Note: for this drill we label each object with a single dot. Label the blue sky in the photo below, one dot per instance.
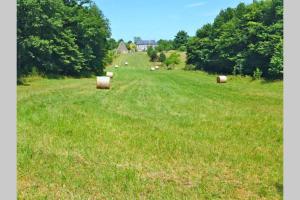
(160, 19)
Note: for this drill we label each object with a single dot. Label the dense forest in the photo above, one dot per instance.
(245, 40)
(61, 37)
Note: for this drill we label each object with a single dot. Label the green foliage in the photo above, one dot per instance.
(132, 47)
(61, 37)
(172, 60)
(128, 44)
(109, 57)
(149, 51)
(182, 48)
(180, 40)
(276, 63)
(240, 39)
(152, 53)
(189, 67)
(257, 74)
(112, 44)
(153, 56)
(162, 57)
(164, 45)
(136, 39)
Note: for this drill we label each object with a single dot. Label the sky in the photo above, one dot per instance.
(160, 19)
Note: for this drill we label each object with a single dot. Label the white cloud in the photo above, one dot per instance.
(193, 5)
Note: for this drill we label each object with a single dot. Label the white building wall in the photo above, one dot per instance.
(144, 47)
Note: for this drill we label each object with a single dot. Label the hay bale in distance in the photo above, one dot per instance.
(103, 82)
(156, 67)
(152, 68)
(110, 74)
(116, 66)
(221, 79)
(126, 63)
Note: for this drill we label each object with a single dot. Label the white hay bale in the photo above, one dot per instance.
(126, 63)
(156, 67)
(116, 66)
(152, 68)
(110, 74)
(103, 82)
(222, 79)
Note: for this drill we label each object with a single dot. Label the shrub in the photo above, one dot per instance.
(172, 60)
(257, 74)
(153, 56)
(110, 56)
(149, 51)
(182, 48)
(164, 45)
(162, 57)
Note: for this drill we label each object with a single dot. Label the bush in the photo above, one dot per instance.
(149, 51)
(182, 48)
(153, 56)
(257, 74)
(172, 60)
(110, 56)
(162, 57)
(164, 45)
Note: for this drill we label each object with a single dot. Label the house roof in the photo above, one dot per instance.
(146, 42)
(122, 47)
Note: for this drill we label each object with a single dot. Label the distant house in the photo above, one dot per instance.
(143, 45)
(122, 48)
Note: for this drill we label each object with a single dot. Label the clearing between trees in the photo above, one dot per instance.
(167, 134)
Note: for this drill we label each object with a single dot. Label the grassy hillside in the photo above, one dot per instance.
(154, 135)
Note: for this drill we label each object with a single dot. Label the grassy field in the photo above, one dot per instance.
(155, 135)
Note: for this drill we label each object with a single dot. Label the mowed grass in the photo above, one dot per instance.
(155, 135)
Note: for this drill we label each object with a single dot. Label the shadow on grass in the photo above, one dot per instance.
(279, 188)
(58, 76)
(22, 84)
(268, 81)
(25, 80)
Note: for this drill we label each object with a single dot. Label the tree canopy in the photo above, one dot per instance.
(61, 37)
(241, 40)
(164, 45)
(181, 40)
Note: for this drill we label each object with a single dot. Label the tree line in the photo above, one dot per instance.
(61, 37)
(246, 40)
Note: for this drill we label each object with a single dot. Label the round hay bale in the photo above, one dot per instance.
(152, 69)
(110, 74)
(116, 66)
(126, 63)
(156, 67)
(103, 82)
(222, 79)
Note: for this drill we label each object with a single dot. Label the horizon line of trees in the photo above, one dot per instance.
(178, 43)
